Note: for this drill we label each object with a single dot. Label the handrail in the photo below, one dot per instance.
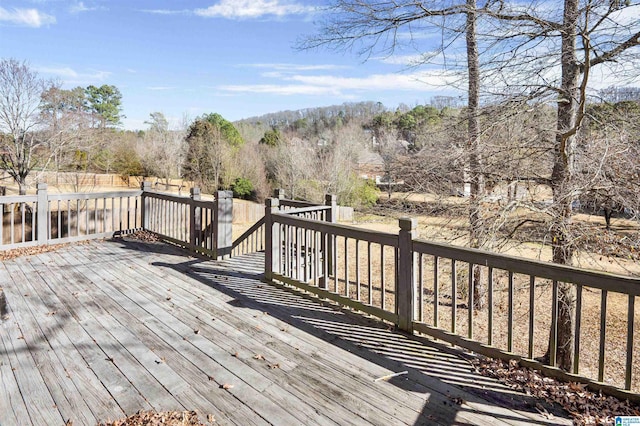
(198, 225)
(302, 210)
(296, 203)
(251, 241)
(520, 265)
(336, 229)
(47, 218)
(92, 195)
(247, 233)
(401, 279)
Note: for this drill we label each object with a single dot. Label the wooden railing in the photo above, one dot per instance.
(66, 217)
(420, 286)
(198, 225)
(428, 288)
(253, 239)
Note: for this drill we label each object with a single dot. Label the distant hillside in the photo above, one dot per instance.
(328, 114)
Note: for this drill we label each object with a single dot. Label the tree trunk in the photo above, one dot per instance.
(561, 182)
(475, 160)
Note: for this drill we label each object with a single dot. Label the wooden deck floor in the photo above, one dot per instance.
(100, 330)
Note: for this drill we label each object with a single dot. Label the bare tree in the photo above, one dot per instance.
(32, 135)
(380, 26)
(164, 148)
(292, 165)
(586, 35)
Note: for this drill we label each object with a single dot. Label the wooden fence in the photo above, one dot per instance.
(428, 288)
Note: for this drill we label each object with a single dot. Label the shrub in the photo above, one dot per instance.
(363, 193)
(243, 188)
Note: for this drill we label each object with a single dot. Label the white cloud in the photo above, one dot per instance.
(72, 77)
(345, 86)
(165, 11)
(297, 67)
(420, 81)
(81, 7)
(284, 90)
(29, 17)
(412, 60)
(248, 9)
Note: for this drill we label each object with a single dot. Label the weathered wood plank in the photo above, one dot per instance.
(164, 354)
(33, 388)
(140, 304)
(12, 405)
(247, 355)
(208, 361)
(258, 403)
(256, 345)
(443, 398)
(51, 356)
(75, 300)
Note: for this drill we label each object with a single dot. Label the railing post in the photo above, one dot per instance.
(271, 238)
(42, 214)
(195, 219)
(223, 218)
(330, 248)
(146, 210)
(279, 193)
(405, 302)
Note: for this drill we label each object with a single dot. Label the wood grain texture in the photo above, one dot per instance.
(103, 329)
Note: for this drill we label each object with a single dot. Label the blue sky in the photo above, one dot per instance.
(233, 57)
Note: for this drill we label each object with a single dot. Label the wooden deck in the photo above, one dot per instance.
(96, 331)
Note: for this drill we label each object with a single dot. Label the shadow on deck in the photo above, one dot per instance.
(135, 325)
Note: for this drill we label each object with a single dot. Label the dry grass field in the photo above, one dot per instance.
(621, 259)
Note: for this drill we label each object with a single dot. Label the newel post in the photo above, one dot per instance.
(279, 193)
(195, 218)
(42, 214)
(406, 284)
(271, 238)
(223, 223)
(146, 208)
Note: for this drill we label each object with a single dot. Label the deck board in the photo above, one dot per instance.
(99, 330)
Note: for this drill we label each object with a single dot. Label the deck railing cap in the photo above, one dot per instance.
(272, 202)
(408, 223)
(223, 195)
